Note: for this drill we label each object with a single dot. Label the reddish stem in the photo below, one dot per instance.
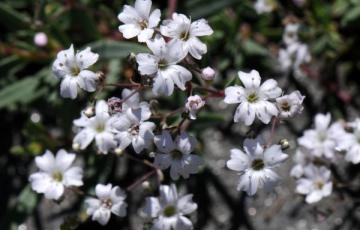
(272, 133)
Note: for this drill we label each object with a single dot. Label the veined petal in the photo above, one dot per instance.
(63, 160)
(185, 143)
(84, 138)
(196, 47)
(129, 15)
(250, 80)
(178, 74)
(148, 63)
(129, 30)
(143, 7)
(152, 207)
(234, 94)
(69, 87)
(274, 155)
(245, 112)
(145, 35)
(270, 89)
(73, 177)
(87, 80)
(163, 84)
(86, 58)
(200, 28)
(154, 18)
(164, 142)
(54, 191)
(105, 142)
(239, 160)
(103, 191)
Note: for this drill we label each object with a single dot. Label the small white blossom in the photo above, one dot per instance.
(40, 39)
(264, 6)
(55, 174)
(208, 73)
(301, 159)
(255, 165)
(290, 105)
(169, 210)
(253, 98)
(138, 21)
(293, 57)
(315, 184)
(193, 104)
(177, 154)
(72, 69)
(321, 141)
(290, 35)
(109, 200)
(163, 65)
(182, 29)
(98, 127)
(350, 143)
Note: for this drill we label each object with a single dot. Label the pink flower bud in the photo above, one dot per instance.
(208, 74)
(40, 39)
(193, 104)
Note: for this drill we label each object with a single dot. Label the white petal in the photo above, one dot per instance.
(45, 162)
(250, 80)
(185, 143)
(129, 30)
(234, 94)
(63, 160)
(178, 74)
(129, 15)
(322, 121)
(313, 197)
(138, 144)
(157, 46)
(163, 161)
(87, 80)
(103, 191)
(40, 181)
(239, 160)
(186, 205)
(163, 85)
(148, 64)
(119, 209)
(105, 141)
(124, 139)
(274, 155)
(84, 138)
(154, 18)
(152, 207)
(86, 58)
(101, 107)
(270, 89)
(168, 194)
(54, 191)
(73, 177)
(164, 142)
(303, 186)
(102, 215)
(245, 113)
(143, 7)
(183, 223)
(196, 48)
(93, 204)
(68, 87)
(200, 28)
(145, 35)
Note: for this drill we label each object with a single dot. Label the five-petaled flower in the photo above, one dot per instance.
(72, 69)
(55, 174)
(169, 210)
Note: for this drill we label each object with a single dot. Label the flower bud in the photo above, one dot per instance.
(208, 74)
(145, 185)
(89, 111)
(76, 146)
(40, 39)
(118, 151)
(193, 104)
(284, 144)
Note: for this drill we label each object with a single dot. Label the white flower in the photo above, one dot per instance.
(302, 159)
(350, 143)
(315, 184)
(290, 105)
(176, 154)
(264, 6)
(169, 209)
(55, 174)
(138, 21)
(321, 141)
(255, 165)
(98, 127)
(181, 28)
(163, 65)
(253, 98)
(290, 35)
(193, 104)
(208, 73)
(72, 69)
(293, 58)
(109, 200)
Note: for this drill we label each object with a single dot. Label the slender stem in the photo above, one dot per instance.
(140, 180)
(123, 85)
(214, 92)
(272, 134)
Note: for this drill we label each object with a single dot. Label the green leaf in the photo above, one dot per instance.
(352, 15)
(11, 19)
(204, 8)
(109, 49)
(23, 91)
(253, 48)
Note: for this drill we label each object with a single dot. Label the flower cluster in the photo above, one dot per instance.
(261, 101)
(295, 54)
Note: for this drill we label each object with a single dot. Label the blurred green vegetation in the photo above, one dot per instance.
(242, 40)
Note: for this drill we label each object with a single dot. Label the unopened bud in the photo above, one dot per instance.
(89, 111)
(118, 151)
(40, 39)
(145, 185)
(76, 146)
(208, 74)
(152, 154)
(284, 144)
(100, 76)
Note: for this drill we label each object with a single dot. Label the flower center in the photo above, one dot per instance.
(319, 184)
(184, 35)
(162, 64)
(257, 164)
(253, 97)
(57, 176)
(134, 130)
(169, 211)
(75, 71)
(285, 106)
(100, 127)
(107, 203)
(143, 24)
(176, 154)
